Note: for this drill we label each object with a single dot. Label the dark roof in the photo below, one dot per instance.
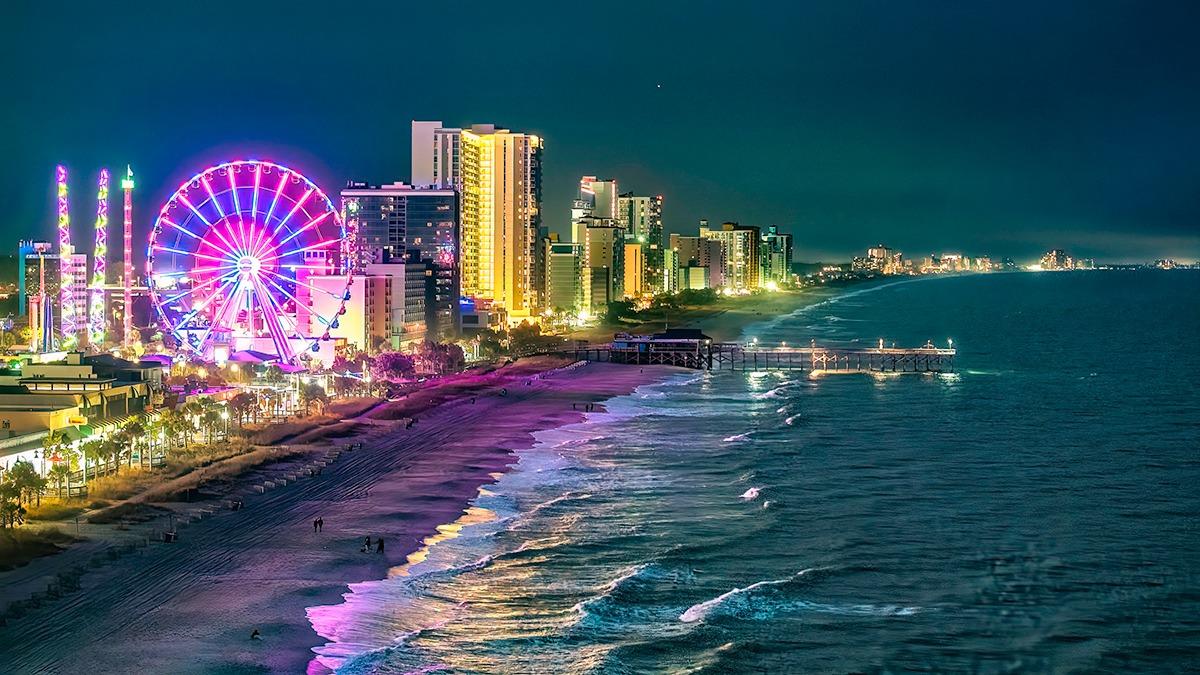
(681, 334)
(108, 361)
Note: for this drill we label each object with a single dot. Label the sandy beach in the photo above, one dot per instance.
(190, 607)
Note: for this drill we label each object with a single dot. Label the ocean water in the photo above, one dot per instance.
(1038, 510)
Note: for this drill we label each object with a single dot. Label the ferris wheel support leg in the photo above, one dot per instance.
(271, 320)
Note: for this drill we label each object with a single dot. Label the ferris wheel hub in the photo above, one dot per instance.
(249, 264)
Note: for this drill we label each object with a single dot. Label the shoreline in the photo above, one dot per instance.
(190, 606)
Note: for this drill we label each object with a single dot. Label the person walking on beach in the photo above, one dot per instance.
(314, 526)
(367, 545)
(379, 547)
(573, 407)
(320, 523)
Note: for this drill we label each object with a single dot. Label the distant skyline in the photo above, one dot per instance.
(1004, 130)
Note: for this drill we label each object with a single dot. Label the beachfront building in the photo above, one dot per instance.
(670, 270)
(693, 278)
(740, 246)
(418, 229)
(634, 285)
(602, 263)
(101, 386)
(701, 252)
(499, 175)
(776, 257)
(641, 218)
(564, 292)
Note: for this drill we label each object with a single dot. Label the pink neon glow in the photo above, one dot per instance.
(222, 269)
(127, 272)
(98, 311)
(66, 294)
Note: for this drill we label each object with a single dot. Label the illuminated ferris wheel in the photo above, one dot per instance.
(249, 255)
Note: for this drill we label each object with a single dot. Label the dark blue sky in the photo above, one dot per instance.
(1002, 128)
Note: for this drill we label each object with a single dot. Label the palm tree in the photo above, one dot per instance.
(313, 393)
(10, 503)
(94, 452)
(136, 432)
(114, 447)
(239, 405)
(209, 421)
(29, 484)
(61, 475)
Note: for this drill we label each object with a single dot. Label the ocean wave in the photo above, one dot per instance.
(777, 392)
(751, 494)
(791, 421)
(529, 546)
(749, 603)
(610, 589)
(737, 437)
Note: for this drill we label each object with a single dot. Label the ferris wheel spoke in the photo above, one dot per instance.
(205, 284)
(228, 252)
(216, 268)
(219, 316)
(212, 196)
(239, 243)
(202, 306)
(181, 228)
(299, 203)
(275, 200)
(257, 241)
(233, 251)
(184, 199)
(310, 224)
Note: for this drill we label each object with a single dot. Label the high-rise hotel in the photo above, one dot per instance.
(498, 172)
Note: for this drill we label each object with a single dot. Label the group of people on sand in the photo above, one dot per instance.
(587, 407)
(366, 547)
(319, 524)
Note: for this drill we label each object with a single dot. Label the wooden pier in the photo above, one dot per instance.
(691, 349)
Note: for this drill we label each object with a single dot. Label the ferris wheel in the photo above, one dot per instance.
(249, 255)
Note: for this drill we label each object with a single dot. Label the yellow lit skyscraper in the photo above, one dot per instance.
(498, 172)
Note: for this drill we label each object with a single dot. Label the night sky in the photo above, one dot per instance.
(999, 128)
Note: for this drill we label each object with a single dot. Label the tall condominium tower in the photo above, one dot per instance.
(499, 174)
(776, 255)
(740, 244)
(641, 218)
(597, 200)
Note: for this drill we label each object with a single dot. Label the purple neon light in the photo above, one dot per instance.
(66, 294)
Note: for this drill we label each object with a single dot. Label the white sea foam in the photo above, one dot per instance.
(737, 437)
(743, 599)
(751, 494)
(699, 611)
(792, 420)
(626, 575)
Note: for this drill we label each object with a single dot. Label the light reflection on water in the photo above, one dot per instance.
(1005, 516)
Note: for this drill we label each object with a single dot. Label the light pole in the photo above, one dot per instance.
(225, 418)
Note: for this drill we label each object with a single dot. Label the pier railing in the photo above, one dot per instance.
(705, 355)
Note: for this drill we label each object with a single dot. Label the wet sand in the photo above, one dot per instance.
(190, 607)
